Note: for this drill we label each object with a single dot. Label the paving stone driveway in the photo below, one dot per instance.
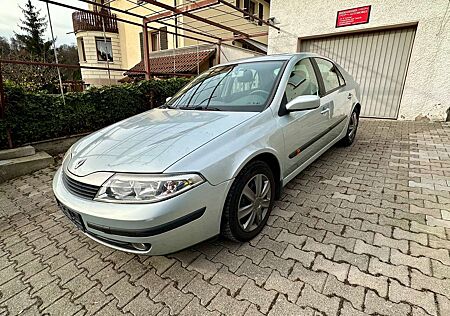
(364, 230)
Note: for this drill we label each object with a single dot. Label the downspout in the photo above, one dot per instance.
(176, 25)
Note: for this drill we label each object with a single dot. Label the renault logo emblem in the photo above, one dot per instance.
(79, 163)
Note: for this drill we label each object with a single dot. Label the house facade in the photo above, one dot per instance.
(112, 44)
(397, 50)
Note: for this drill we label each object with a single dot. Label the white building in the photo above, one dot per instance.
(398, 50)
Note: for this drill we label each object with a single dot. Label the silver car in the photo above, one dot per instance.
(213, 159)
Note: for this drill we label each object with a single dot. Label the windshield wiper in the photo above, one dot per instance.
(167, 107)
(199, 108)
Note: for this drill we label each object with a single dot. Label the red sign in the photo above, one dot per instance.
(353, 16)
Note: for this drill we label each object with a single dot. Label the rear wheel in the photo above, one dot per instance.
(349, 137)
(249, 202)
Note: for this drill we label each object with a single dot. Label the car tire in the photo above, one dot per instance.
(239, 202)
(352, 128)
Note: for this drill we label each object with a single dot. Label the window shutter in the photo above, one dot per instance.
(260, 13)
(238, 3)
(246, 6)
(141, 41)
(164, 42)
(81, 49)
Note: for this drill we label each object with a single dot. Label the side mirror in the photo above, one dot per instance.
(303, 102)
(168, 99)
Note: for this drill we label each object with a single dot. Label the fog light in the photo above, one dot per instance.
(140, 246)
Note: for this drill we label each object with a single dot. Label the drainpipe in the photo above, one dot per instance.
(176, 25)
(146, 52)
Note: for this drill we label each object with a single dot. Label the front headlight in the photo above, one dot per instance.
(139, 188)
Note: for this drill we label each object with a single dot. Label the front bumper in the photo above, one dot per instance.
(166, 226)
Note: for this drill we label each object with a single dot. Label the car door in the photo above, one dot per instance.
(301, 129)
(335, 98)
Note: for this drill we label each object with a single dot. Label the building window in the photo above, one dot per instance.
(154, 38)
(141, 44)
(252, 8)
(100, 8)
(104, 49)
(260, 13)
(249, 8)
(163, 40)
(246, 6)
(158, 41)
(81, 49)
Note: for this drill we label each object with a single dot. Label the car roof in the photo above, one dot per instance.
(275, 57)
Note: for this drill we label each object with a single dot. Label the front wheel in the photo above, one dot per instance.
(249, 202)
(349, 137)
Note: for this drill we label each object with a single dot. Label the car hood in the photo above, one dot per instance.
(150, 142)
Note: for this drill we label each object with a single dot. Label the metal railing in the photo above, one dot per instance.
(87, 21)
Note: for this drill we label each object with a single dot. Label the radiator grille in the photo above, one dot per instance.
(80, 189)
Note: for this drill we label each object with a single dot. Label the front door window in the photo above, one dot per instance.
(302, 80)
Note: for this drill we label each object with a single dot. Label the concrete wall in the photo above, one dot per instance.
(99, 77)
(58, 145)
(231, 53)
(427, 87)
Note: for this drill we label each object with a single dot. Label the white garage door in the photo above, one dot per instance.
(378, 60)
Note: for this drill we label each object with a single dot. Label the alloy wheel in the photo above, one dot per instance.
(254, 202)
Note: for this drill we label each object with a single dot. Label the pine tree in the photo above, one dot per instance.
(5, 48)
(34, 27)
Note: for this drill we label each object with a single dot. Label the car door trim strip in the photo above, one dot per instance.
(315, 139)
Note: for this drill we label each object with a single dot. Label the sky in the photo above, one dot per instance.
(10, 14)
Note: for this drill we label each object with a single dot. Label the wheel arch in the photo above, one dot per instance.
(274, 164)
(357, 108)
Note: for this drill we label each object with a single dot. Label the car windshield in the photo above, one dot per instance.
(239, 87)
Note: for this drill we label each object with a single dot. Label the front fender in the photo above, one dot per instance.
(224, 157)
(253, 155)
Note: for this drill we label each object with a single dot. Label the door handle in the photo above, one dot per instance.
(325, 111)
(349, 97)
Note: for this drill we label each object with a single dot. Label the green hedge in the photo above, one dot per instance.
(39, 116)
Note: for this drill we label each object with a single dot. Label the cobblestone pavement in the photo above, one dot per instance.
(364, 230)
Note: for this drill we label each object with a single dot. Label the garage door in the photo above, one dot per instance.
(378, 61)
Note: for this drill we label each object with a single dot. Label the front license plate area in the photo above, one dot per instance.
(74, 217)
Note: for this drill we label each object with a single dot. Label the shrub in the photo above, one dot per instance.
(39, 116)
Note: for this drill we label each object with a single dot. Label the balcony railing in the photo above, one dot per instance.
(87, 21)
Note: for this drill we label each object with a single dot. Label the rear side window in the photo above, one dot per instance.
(332, 78)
